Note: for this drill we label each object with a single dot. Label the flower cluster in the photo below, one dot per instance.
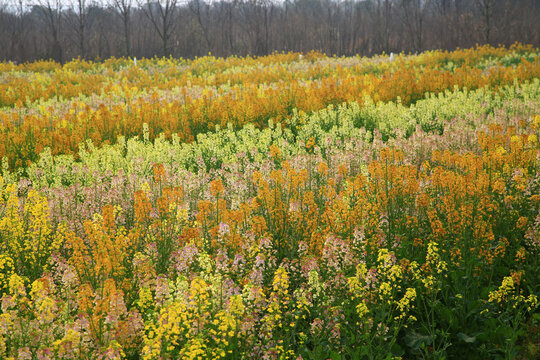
(212, 92)
(336, 235)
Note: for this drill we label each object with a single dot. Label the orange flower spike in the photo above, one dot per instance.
(323, 168)
(222, 208)
(258, 225)
(142, 206)
(159, 172)
(456, 255)
(521, 254)
(108, 217)
(310, 144)
(216, 187)
(277, 176)
(205, 209)
(171, 196)
(342, 170)
(275, 153)
(286, 166)
(162, 205)
(516, 276)
(417, 242)
(84, 295)
(522, 222)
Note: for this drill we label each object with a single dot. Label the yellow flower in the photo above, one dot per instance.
(406, 302)
(145, 298)
(536, 120)
(16, 285)
(362, 310)
(502, 293)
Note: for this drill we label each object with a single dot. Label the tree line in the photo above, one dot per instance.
(98, 29)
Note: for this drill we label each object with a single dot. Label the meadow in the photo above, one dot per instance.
(282, 207)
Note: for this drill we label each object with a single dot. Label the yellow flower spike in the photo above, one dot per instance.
(145, 187)
(16, 285)
(502, 293)
(383, 257)
(236, 306)
(536, 121)
(145, 298)
(6, 270)
(501, 151)
(406, 302)
(280, 284)
(385, 290)
(362, 310)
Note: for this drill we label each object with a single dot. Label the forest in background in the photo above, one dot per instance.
(67, 29)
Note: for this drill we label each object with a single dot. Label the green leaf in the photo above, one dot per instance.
(415, 340)
(466, 338)
(397, 350)
(448, 315)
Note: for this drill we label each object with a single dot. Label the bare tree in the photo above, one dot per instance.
(51, 11)
(486, 8)
(5, 18)
(15, 20)
(527, 24)
(145, 28)
(201, 11)
(78, 20)
(384, 22)
(257, 16)
(123, 9)
(162, 15)
(225, 14)
(103, 37)
(413, 14)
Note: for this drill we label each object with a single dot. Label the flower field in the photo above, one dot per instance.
(281, 207)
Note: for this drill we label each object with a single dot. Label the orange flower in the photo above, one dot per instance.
(159, 172)
(323, 168)
(275, 152)
(310, 144)
(216, 187)
(142, 206)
